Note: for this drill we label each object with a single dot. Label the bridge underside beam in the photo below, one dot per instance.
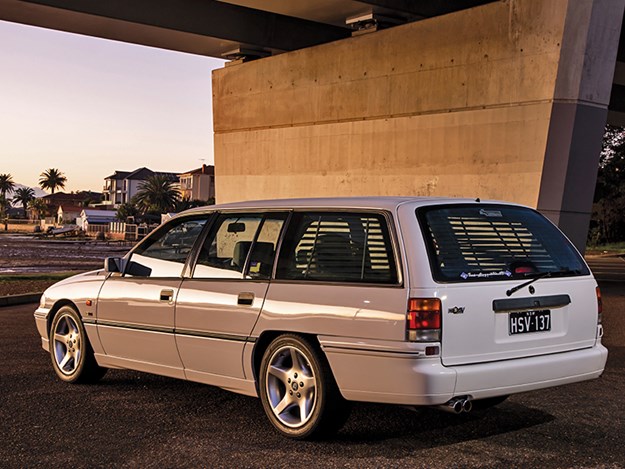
(196, 26)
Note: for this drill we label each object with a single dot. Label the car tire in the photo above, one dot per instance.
(298, 391)
(71, 353)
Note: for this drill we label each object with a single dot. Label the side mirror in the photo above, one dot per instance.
(113, 264)
(138, 270)
(236, 227)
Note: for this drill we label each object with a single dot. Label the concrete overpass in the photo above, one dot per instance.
(492, 99)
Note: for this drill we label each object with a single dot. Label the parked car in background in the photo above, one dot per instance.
(312, 303)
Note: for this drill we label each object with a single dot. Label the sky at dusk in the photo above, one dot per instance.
(91, 106)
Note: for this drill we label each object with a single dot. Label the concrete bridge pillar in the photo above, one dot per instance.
(504, 101)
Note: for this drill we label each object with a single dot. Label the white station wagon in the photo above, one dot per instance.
(312, 303)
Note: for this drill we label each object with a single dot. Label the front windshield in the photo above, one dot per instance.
(481, 242)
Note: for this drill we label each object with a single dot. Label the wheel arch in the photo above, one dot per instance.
(55, 308)
(267, 337)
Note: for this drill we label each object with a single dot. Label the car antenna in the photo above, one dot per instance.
(477, 200)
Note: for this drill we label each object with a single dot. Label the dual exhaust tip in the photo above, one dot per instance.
(457, 405)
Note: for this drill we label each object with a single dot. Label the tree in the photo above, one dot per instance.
(6, 184)
(38, 207)
(156, 195)
(6, 187)
(4, 204)
(186, 204)
(126, 210)
(607, 224)
(52, 179)
(90, 198)
(23, 196)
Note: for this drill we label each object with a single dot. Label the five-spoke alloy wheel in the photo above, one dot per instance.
(298, 391)
(71, 353)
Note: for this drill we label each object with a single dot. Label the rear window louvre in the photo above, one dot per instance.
(339, 248)
(494, 242)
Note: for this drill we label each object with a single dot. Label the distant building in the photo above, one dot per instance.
(121, 186)
(67, 213)
(76, 199)
(54, 201)
(198, 184)
(93, 218)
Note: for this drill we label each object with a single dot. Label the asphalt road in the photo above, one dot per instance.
(607, 269)
(132, 419)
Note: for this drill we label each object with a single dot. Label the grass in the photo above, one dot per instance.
(608, 248)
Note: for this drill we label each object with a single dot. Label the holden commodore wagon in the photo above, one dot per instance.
(310, 304)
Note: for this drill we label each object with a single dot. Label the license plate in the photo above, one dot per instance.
(523, 322)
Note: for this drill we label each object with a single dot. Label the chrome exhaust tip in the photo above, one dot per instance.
(457, 405)
(467, 405)
(453, 405)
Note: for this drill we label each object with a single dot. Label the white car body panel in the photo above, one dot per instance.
(203, 334)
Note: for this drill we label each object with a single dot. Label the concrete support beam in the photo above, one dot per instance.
(579, 113)
(503, 101)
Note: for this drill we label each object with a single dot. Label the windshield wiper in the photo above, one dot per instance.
(529, 282)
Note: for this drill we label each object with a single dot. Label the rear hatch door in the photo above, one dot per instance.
(479, 254)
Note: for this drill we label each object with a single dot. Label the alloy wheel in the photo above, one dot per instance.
(291, 386)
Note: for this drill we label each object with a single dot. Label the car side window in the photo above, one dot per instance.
(337, 247)
(165, 252)
(239, 240)
(224, 252)
(264, 248)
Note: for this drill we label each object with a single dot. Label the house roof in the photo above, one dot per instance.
(70, 208)
(95, 211)
(141, 174)
(205, 169)
(61, 197)
(119, 175)
(98, 216)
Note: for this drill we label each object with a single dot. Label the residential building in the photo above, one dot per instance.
(121, 186)
(198, 184)
(74, 198)
(100, 218)
(67, 213)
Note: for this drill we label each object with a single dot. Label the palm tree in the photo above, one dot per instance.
(6, 187)
(24, 195)
(38, 207)
(52, 179)
(6, 184)
(126, 210)
(157, 194)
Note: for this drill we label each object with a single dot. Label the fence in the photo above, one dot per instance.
(91, 229)
(19, 225)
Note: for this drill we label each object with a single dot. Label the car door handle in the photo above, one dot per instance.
(167, 295)
(246, 298)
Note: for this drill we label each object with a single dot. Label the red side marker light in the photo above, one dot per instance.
(89, 303)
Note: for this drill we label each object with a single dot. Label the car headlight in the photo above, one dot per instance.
(42, 301)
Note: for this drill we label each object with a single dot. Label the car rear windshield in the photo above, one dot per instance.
(495, 242)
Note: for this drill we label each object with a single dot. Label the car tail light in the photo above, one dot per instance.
(423, 319)
(599, 305)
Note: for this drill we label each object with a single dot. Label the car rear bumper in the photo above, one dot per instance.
(411, 379)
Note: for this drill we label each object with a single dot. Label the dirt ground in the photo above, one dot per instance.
(19, 287)
(24, 254)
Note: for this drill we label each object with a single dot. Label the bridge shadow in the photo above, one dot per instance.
(375, 427)
(430, 428)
